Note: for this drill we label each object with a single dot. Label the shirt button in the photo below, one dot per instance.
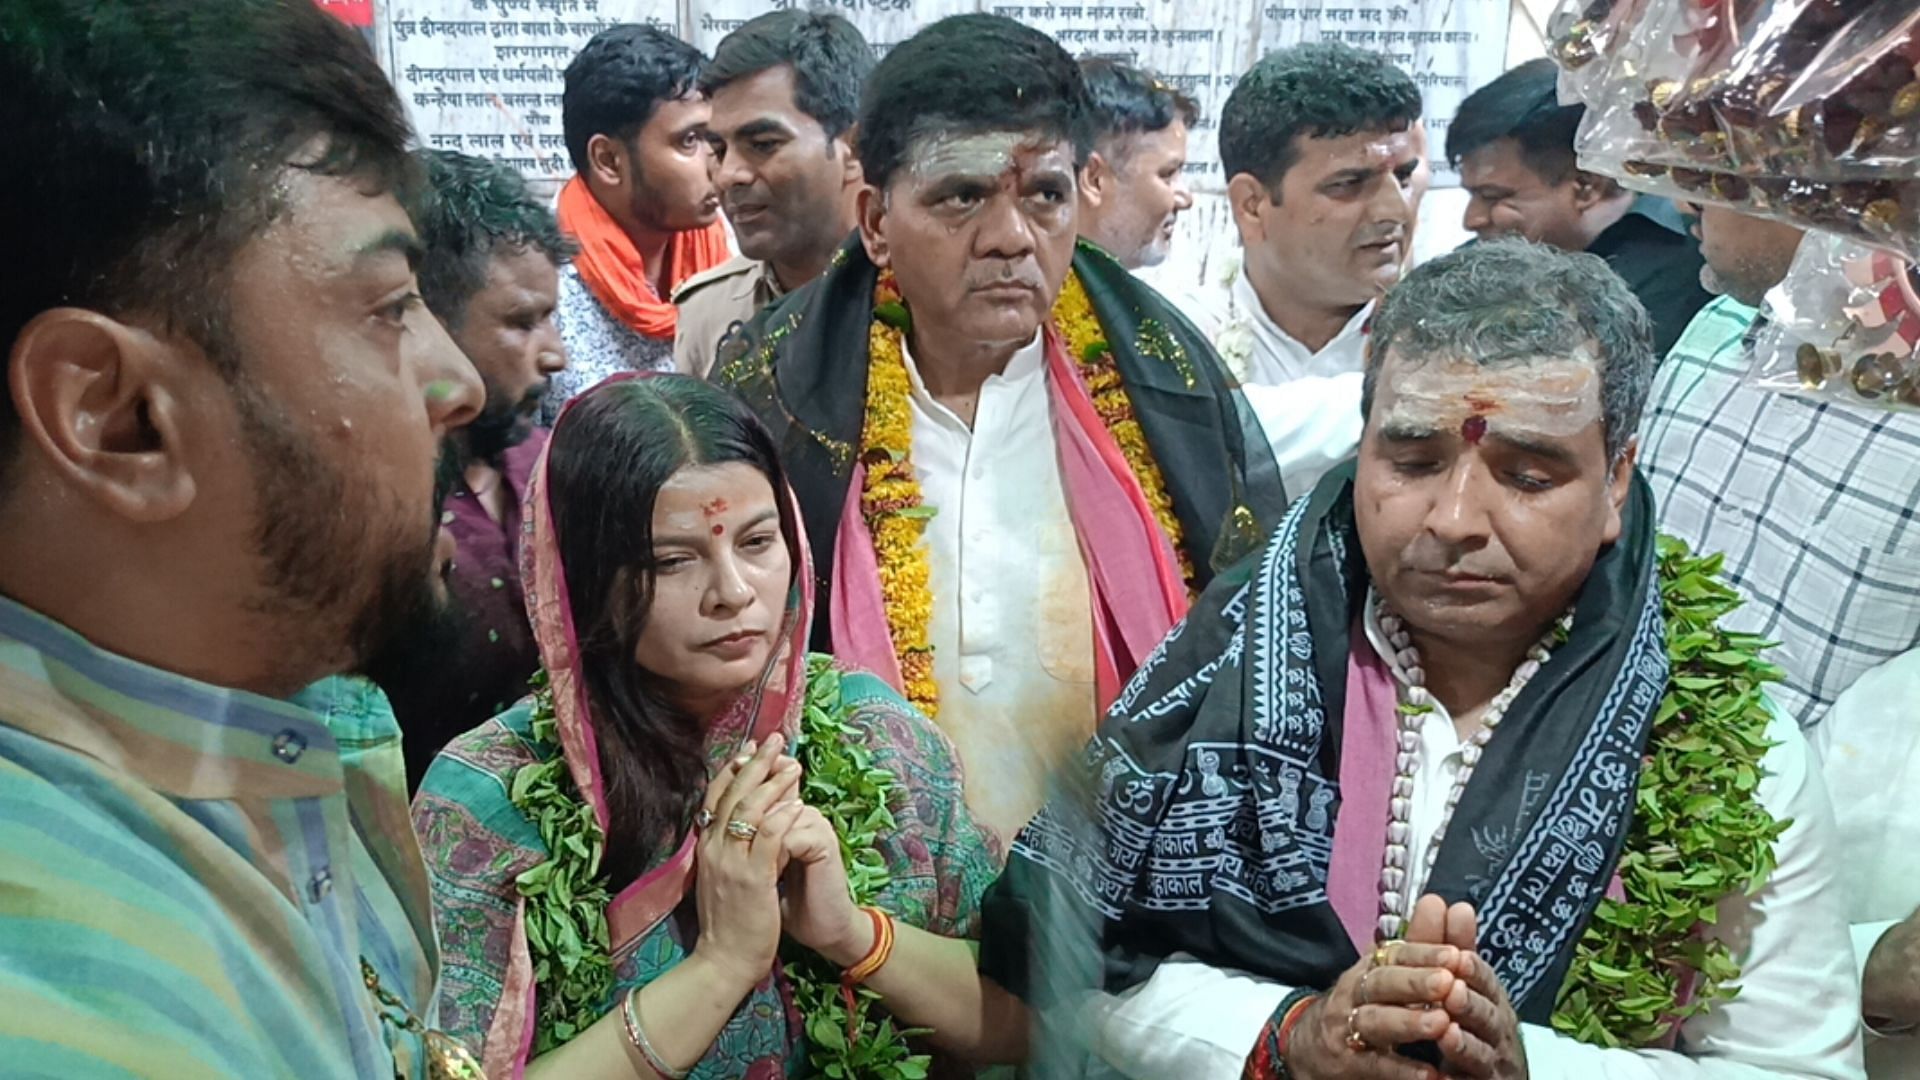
(320, 886)
(289, 745)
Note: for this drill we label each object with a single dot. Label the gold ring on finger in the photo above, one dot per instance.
(1360, 994)
(742, 830)
(1355, 1042)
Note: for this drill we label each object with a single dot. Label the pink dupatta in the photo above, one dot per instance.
(1132, 570)
(774, 705)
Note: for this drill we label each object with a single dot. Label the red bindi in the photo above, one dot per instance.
(1473, 429)
(719, 530)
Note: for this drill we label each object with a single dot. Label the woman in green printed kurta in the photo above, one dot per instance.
(565, 837)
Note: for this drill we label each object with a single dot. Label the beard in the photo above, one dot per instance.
(415, 629)
(317, 541)
(502, 424)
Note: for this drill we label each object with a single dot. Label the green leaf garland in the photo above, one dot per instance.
(1699, 833)
(842, 782)
(567, 896)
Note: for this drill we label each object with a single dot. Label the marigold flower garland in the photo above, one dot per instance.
(1087, 344)
(890, 499)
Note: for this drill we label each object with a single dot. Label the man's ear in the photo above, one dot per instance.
(1096, 180)
(850, 171)
(1251, 205)
(607, 160)
(105, 404)
(1590, 190)
(1619, 485)
(871, 206)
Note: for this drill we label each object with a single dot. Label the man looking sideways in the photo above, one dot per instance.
(785, 89)
(223, 408)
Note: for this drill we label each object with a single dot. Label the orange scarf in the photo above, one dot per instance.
(614, 271)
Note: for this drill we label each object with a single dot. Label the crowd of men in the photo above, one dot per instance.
(1281, 562)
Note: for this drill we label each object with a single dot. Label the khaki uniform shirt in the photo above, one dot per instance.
(715, 303)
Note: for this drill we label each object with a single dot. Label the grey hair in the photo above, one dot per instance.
(1512, 302)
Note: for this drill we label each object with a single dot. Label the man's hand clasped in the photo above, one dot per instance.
(1432, 987)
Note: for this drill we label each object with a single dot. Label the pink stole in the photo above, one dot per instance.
(1133, 573)
(1368, 747)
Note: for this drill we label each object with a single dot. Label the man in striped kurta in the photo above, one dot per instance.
(223, 409)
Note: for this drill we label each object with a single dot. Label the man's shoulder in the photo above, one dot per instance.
(738, 276)
(1718, 327)
(518, 460)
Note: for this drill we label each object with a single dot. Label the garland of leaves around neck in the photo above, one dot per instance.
(567, 896)
(1699, 833)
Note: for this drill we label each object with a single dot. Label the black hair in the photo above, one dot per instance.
(829, 58)
(469, 208)
(1319, 90)
(968, 74)
(1512, 302)
(614, 84)
(612, 452)
(1523, 105)
(147, 139)
(1130, 101)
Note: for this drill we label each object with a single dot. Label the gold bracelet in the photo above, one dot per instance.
(637, 1035)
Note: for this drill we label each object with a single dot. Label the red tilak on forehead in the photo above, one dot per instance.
(719, 530)
(714, 508)
(1473, 429)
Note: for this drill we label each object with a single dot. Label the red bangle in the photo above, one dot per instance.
(876, 957)
(1292, 1018)
(877, 953)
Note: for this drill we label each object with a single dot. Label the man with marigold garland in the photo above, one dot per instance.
(1015, 462)
(1462, 776)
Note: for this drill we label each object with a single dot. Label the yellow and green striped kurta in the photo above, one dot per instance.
(189, 875)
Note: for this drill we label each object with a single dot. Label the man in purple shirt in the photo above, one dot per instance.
(490, 274)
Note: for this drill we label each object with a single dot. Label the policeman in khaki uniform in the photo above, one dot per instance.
(785, 89)
(714, 303)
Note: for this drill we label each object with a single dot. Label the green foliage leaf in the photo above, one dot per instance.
(567, 897)
(1699, 833)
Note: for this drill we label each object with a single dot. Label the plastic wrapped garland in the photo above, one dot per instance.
(1585, 36)
(1822, 89)
(1884, 213)
(1843, 327)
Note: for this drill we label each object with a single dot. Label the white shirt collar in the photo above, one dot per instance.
(1026, 363)
(1280, 357)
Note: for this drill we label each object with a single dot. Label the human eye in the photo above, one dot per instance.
(667, 564)
(395, 311)
(961, 199)
(1052, 192)
(1529, 481)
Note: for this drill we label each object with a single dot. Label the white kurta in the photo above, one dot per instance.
(1012, 626)
(1869, 745)
(1307, 402)
(1795, 1016)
